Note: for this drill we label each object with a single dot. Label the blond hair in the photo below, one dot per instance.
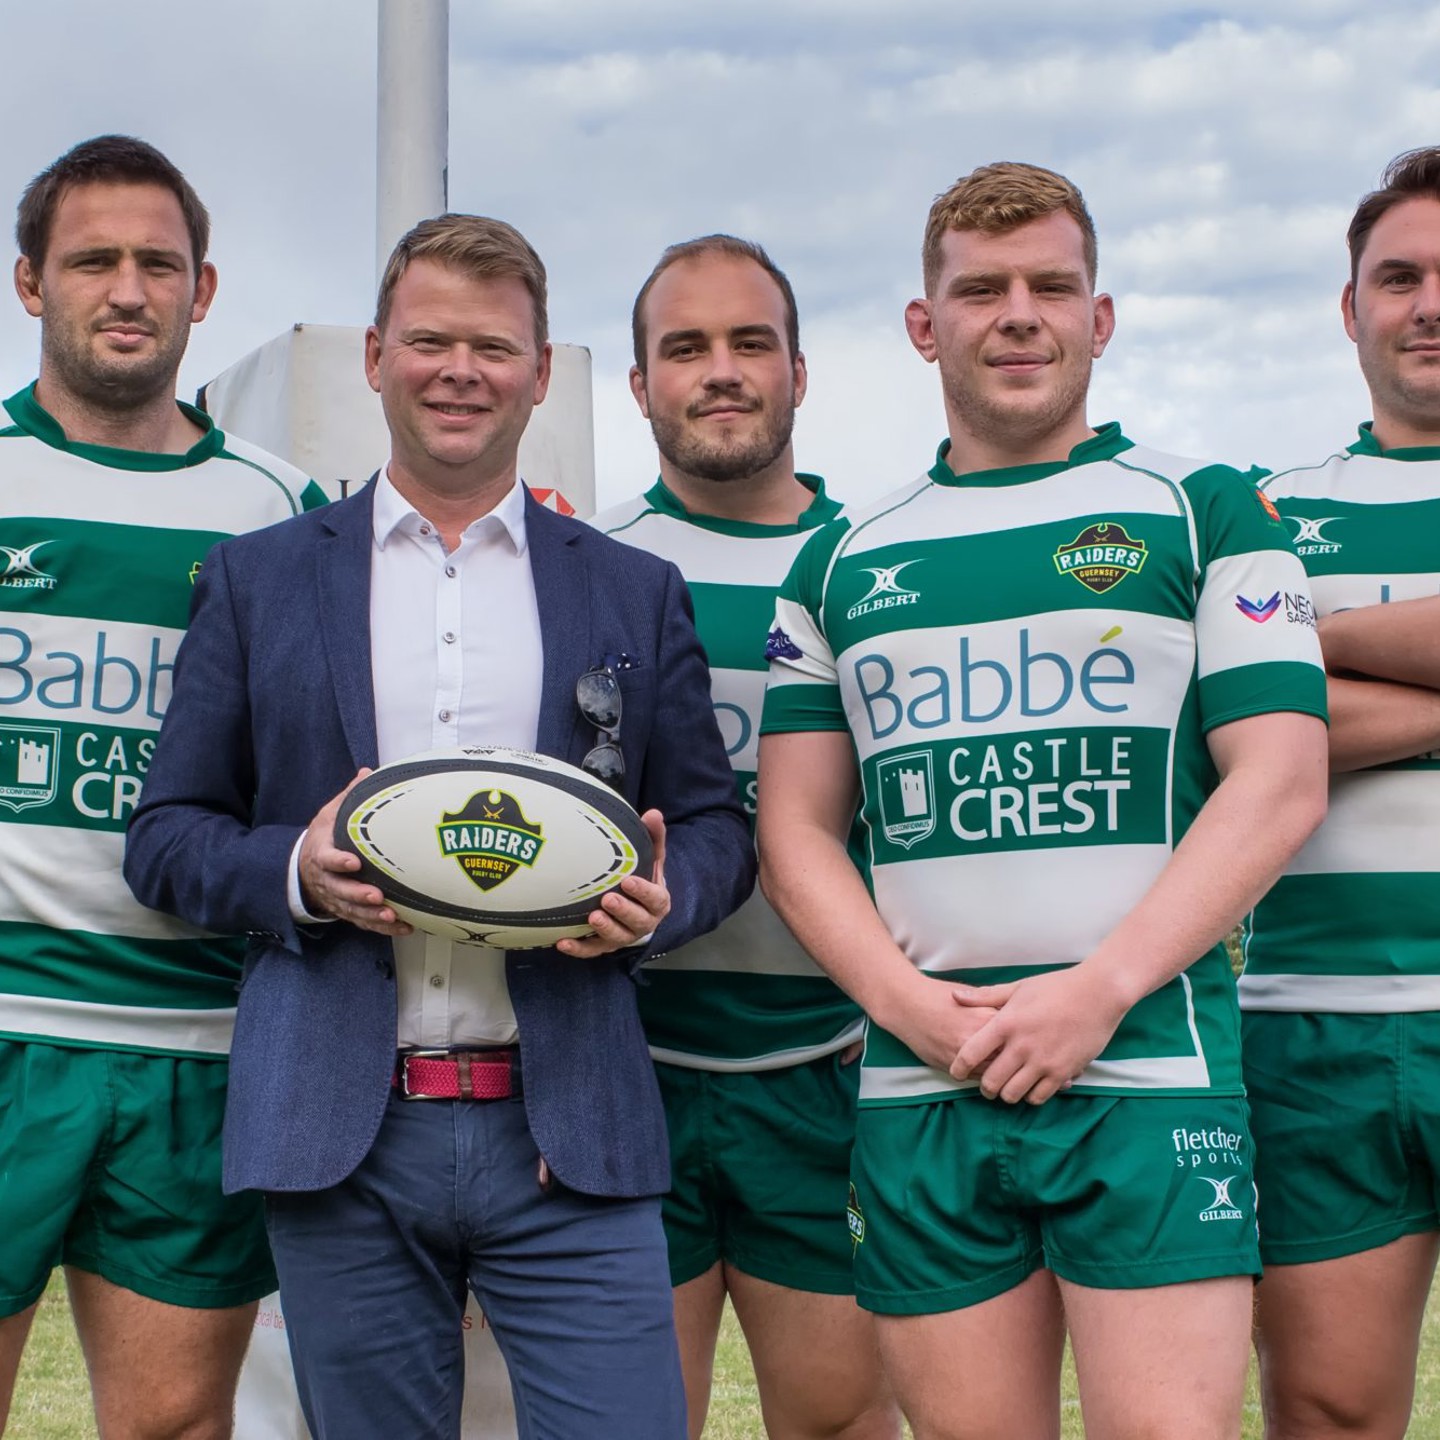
(476, 246)
(1001, 197)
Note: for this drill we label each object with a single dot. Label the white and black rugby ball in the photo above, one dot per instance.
(492, 846)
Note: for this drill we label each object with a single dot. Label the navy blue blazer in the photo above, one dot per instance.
(272, 714)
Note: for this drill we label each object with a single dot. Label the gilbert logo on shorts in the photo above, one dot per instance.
(1101, 556)
(885, 592)
(907, 797)
(1221, 1206)
(855, 1218)
(490, 838)
(29, 764)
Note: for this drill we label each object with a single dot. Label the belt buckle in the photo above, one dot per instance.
(406, 1056)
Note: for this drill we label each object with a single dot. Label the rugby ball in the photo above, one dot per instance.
(492, 846)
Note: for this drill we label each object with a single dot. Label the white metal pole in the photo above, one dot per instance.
(412, 118)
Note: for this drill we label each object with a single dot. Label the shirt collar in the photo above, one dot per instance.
(393, 512)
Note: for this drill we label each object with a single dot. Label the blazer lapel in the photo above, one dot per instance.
(562, 599)
(343, 571)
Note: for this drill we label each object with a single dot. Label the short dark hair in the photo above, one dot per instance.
(476, 246)
(1415, 173)
(107, 159)
(995, 199)
(736, 249)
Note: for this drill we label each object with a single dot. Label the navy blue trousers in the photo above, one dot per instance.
(373, 1274)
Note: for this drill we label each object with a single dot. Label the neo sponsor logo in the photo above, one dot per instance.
(1101, 556)
(490, 838)
(1221, 1206)
(1310, 538)
(1299, 610)
(1258, 610)
(21, 571)
(980, 690)
(885, 591)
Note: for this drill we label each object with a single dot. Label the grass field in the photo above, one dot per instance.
(51, 1402)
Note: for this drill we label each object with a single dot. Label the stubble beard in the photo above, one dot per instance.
(692, 455)
(1415, 399)
(1015, 426)
(114, 387)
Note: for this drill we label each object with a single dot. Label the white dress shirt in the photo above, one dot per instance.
(455, 654)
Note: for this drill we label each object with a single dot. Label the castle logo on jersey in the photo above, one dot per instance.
(490, 838)
(1310, 536)
(21, 572)
(885, 591)
(1101, 556)
(29, 764)
(907, 797)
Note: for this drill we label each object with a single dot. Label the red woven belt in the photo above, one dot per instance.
(457, 1074)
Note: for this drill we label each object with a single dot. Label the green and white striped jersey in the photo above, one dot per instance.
(746, 996)
(1354, 923)
(100, 549)
(1028, 661)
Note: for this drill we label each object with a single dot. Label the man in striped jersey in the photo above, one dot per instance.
(1341, 990)
(754, 1047)
(1084, 741)
(114, 1020)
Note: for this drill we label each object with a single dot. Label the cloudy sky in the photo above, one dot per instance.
(1221, 151)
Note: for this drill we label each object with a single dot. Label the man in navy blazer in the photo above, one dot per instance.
(442, 605)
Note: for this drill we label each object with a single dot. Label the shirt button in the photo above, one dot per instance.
(424, 529)
(448, 637)
(437, 981)
(450, 571)
(445, 716)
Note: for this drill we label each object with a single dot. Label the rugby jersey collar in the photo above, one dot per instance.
(31, 417)
(1367, 444)
(664, 501)
(1105, 444)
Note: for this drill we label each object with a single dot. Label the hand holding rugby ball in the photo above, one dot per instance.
(492, 846)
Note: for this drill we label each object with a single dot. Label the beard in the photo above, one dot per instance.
(114, 383)
(1014, 422)
(734, 459)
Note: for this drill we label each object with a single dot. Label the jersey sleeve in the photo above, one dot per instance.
(1256, 643)
(803, 690)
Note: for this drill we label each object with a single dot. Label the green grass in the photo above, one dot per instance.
(52, 1402)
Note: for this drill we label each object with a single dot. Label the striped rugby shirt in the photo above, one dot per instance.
(1028, 661)
(746, 996)
(100, 549)
(1354, 923)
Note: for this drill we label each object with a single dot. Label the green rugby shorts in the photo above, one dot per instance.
(760, 1170)
(110, 1162)
(1346, 1116)
(959, 1200)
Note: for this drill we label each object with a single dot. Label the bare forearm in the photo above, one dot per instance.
(1264, 809)
(810, 880)
(1399, 641)
(1373, 722)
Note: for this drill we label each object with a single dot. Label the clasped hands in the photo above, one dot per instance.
(1025, 1040)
